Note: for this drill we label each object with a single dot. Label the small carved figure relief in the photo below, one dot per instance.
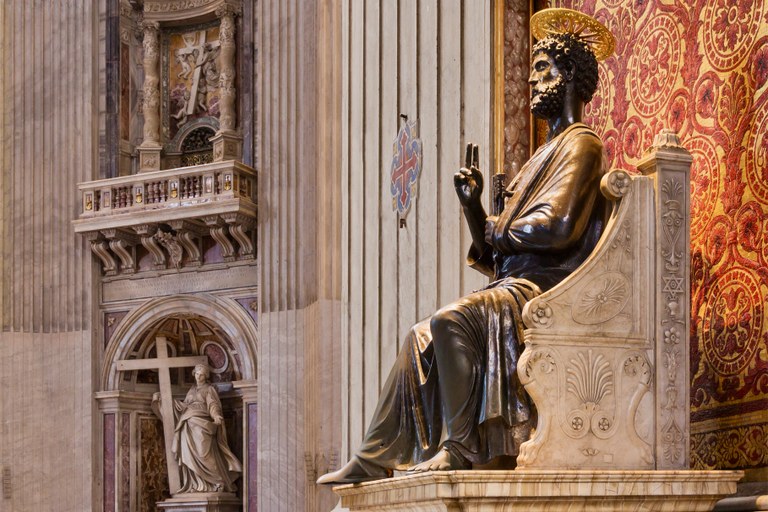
(181, 114)
(200, 440)
(172, 245)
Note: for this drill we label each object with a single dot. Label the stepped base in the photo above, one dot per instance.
(543, 490)
(201, 502)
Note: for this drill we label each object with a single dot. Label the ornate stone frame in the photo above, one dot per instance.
(121, 410)
(228, 313)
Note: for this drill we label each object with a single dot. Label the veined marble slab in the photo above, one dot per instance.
(543, 491)
(201, 502)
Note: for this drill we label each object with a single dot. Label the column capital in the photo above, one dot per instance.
(228, 10)
(150, 26)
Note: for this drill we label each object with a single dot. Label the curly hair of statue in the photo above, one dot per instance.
(566, 47)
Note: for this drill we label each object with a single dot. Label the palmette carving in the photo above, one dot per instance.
(595, 398)
(590, 379)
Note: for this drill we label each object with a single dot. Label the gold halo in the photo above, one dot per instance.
(566, 21)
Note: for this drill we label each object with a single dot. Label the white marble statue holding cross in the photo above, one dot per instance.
(197, 452)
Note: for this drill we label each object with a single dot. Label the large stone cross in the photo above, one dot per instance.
(163, 364)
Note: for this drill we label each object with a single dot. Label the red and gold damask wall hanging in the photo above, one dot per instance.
(701, 68)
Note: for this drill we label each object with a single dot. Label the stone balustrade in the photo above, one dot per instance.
(166, 214)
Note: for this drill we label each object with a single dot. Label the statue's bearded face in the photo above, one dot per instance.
(548, 86)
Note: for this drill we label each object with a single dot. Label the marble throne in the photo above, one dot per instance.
(606, 363)
(606, 358)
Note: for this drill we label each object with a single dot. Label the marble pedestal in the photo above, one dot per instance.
(201, 502)
(543, 490)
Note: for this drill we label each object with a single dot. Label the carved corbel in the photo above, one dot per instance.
(172, 245)
(218, 230)
(240, 229)
(123, 244)
(147, 234)
(189, 235)
(100, 248)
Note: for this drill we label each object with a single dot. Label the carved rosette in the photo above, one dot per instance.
(151, 89)
(537, 314)
(615, 184)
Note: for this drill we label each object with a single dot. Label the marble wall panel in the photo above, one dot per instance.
(109, 462)
(296, 139)
(52, 58)
(48, 142)
(251, 448)
(48, 434)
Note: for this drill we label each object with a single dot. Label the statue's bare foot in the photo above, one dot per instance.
(443, 460)
(354, 471)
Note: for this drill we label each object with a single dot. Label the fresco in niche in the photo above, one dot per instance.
(190, 78)
(701, 68)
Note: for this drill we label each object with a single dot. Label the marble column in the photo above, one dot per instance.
(149, 150)
(227, 143)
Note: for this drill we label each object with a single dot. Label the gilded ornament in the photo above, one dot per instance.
(566, 21)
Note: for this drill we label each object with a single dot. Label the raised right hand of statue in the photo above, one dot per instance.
(469, 180)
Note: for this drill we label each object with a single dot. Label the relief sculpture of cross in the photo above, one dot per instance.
(163, 365)
(196, 75)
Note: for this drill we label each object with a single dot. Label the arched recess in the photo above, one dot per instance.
(133, 462)
(227, 313)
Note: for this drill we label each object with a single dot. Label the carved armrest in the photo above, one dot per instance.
(606, 358)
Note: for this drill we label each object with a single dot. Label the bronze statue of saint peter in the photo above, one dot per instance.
(453, 398)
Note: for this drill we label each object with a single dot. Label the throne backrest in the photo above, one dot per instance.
(606, 358)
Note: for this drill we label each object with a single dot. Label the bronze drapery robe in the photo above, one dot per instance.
(552, 220)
